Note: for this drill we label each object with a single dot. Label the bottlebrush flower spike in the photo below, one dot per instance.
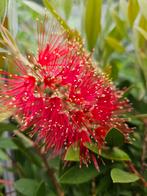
(61, 96)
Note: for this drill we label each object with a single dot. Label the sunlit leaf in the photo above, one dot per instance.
(123, 4)
(115, 44)
(115, 154)
(93, 21)
(133, 9)
(143, 7)
(8, 39)
(120, 176)
(109, 153)
(3, 4)
(35, 7)
(72, 154)
(67, 5)
(120, 24)
(12, 17)
(142, 31)
(55, 14)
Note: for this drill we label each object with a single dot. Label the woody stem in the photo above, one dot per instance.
(50, 173)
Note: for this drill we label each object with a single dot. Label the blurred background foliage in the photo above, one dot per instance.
(115, 31)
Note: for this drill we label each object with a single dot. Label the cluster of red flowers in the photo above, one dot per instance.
(63, 97)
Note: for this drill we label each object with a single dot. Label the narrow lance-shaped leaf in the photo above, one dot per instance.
(34, 6)
(123, 5)
(71, 33)
(92, 21)
(143, 7)
(3, 4)
(67, 6)
(133, 9)
(55, 14)
(12, 17)
(120, 24)
(142, 32)
(115, 44)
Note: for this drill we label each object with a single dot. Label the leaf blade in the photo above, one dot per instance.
(92, 21)
(120, 176)
(76, 175)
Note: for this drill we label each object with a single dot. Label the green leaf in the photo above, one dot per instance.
(72, 154)
(3, 156)
(114, 138)
(93, 147)
(120, 176)
(12, 17)
(35, 7)
(115, 44)
(67, 6)
(76, 175)
(138, 37)
(3, 6)
(133, 9)
(7, 143)
(27, 152)
(115, 154)
(142, 32)
(8, 39)
(120, 24)
(143, 7)
(92, 21)
(7, 127)
(41, 189)
(114, 70)
(103, 184)
(26, 186)
(55, 14)
(123, 5)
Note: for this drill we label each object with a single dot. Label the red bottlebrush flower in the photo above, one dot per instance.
(62, 97)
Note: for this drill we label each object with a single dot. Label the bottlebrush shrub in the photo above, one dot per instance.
(61, 95)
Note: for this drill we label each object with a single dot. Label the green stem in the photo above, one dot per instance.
(55, 14)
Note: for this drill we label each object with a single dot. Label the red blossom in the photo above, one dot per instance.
(63, 98)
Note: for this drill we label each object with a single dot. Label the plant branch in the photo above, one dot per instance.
(133, 169)
(50, 172)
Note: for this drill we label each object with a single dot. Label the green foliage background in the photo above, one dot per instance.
(117, 31)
